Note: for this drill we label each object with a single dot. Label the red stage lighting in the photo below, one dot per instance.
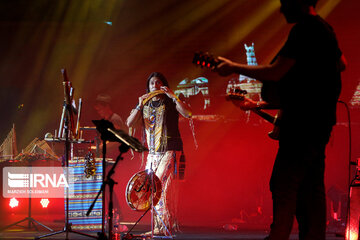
(44, 202)
(13, 202)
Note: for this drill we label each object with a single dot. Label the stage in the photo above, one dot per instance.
(188, 233)
(230, 231)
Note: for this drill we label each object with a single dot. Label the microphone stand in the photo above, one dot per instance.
(123, 148)
(108, 133)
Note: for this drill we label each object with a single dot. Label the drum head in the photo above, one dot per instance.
(138, 191)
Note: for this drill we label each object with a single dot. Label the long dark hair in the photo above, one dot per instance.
(159, 76)
(311, 2)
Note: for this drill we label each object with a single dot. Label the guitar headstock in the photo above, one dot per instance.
(236, 94)
(205, 60)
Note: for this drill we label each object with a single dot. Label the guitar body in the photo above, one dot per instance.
(239, 95)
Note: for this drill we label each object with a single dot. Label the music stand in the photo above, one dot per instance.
(109, 133)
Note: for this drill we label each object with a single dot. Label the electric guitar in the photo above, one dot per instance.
(209, 61)
(239, 95)
(205, 60)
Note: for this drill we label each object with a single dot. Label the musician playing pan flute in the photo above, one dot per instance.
(158, 112)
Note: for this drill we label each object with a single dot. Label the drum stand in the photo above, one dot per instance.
(129, 236)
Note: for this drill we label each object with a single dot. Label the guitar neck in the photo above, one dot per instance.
(268, 117)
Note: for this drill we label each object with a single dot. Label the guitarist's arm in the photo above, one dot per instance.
(271, 72)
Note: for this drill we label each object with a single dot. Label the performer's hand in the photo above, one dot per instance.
(142, 98)
(225, 67)
(245, 104)
(168, 92)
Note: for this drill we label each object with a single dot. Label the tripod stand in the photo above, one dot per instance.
(68, 114)
(31, 221)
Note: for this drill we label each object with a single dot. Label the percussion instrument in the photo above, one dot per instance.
(89, 165)
(138, 193)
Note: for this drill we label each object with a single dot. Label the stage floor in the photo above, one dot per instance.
(188, 233)
(56, 223)
(209, 235)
